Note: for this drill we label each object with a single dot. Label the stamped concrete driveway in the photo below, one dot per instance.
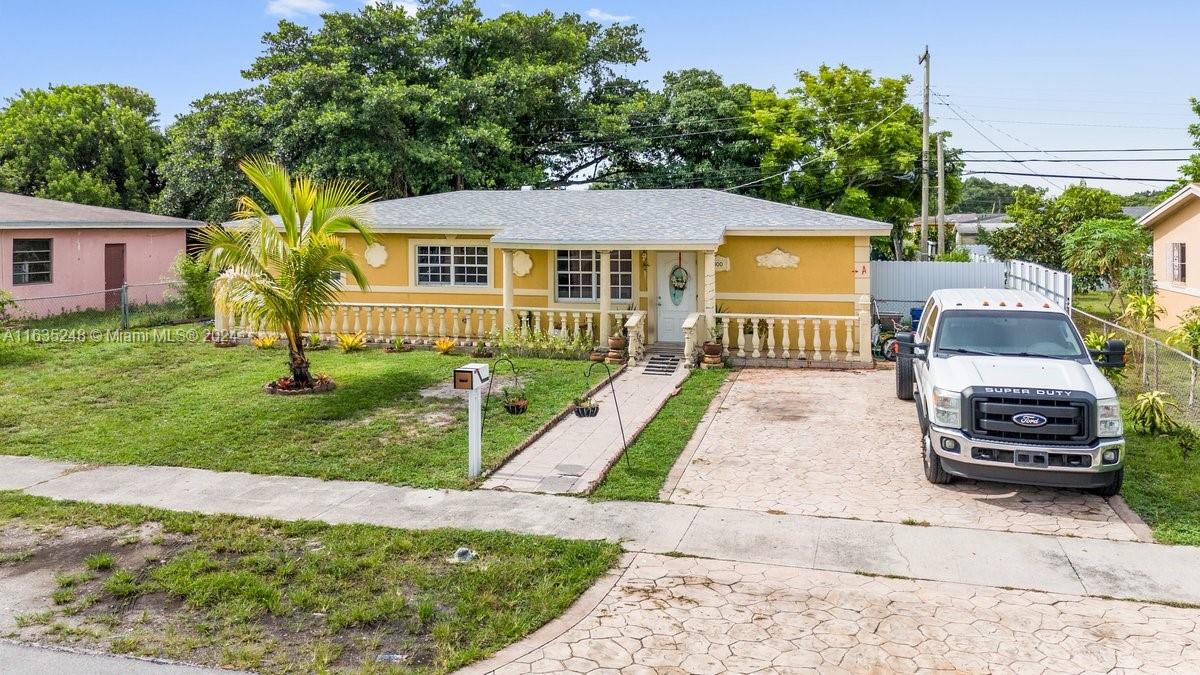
(691, 615)
(839, 443)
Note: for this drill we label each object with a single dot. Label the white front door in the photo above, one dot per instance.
(670, 314)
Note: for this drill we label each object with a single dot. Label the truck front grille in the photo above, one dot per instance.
(1066, 420)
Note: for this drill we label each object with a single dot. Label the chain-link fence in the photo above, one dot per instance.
(1151, 364)
(130, 306)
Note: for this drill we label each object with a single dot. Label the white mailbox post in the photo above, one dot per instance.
(472, 377)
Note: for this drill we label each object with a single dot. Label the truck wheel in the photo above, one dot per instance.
(934, 473)
(1113, 488)
(904, 378)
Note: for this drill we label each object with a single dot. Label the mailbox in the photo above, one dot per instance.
(471, 376)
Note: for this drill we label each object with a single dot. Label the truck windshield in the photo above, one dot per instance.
(999, 333)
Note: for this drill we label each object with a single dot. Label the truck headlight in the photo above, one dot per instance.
(1109, 418)
(947, 408)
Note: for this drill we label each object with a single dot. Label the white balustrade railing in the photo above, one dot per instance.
(810, 337)
(635, 332)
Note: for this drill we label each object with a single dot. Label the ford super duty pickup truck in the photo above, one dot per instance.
(1006, 391)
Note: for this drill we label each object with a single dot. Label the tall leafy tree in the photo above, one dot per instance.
(692, 133)
(1108, 248)
(1042, 222)
(844, 141)
(93, 144)
(283, 272)
(980, 195)
(1191, 170)
(442, 99)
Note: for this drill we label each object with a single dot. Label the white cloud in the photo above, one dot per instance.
(601, 15)
(410, 7)
(292, 8)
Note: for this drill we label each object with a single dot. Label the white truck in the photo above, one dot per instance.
(1006, 391)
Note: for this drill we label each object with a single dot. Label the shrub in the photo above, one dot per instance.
(957, 255)
(444, 345)
(195, 284)
(351, 342)
(264, 341)
(7, 304)
(1150, 413)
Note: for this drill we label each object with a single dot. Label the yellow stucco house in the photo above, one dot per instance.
(776, 282)
(1175, 224)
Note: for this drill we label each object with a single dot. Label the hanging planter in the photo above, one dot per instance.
(585, 407)
(515, 400)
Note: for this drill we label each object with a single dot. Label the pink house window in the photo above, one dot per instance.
(31, 261)
(1179, 263)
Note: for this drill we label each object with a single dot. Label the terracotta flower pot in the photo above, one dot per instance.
(598, 355)
(712, 348)
(616, 343)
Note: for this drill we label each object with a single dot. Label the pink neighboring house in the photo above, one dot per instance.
(50, 249)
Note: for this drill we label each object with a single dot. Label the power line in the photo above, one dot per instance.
(801, 165)
(994, 144)
(1061, 175)
(980, 152)
(1089, 161)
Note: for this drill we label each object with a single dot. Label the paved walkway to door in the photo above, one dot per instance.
(839, 443)
(573, 456)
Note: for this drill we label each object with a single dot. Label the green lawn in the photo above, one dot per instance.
(283, 597)
(191, 404)
(641, 475)
(1162, 486)
(1096, 304)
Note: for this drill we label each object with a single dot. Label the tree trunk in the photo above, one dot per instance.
(298, 362)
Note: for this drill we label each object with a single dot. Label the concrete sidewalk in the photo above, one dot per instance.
(1071, 565)
(36, 660)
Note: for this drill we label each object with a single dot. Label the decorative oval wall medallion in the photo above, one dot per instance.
(522, 264)
(778, 259)
(376, 255)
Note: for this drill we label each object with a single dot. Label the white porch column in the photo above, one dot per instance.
(506, 275)
(605, 296)
(710, 291)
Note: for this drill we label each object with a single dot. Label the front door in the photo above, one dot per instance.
(676, 293)
(114, 274)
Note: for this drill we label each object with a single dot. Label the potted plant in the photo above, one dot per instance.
(712, 346)
(515, 400)
(398, 345)
(616, 342)
(585, 407)
(598, 354)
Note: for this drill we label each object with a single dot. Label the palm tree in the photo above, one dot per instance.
(281, 271)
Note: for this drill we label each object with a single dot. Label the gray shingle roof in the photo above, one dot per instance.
(21, 211)
(606, 217)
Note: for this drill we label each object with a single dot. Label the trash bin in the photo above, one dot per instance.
(915, 313)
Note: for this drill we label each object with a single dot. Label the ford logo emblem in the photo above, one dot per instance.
(1029, 419)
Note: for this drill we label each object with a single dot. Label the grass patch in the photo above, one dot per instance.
(190, 404)
(100, 562)
(914, 522)
(304, 596)
(1162, 485)
(654, 452)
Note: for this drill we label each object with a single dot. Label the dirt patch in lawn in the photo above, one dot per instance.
(272, 596)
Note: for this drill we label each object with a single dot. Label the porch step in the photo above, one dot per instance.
(662, 364)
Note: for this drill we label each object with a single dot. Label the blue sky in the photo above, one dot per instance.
(1045, 75)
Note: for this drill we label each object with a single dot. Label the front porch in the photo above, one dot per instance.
(669, 304)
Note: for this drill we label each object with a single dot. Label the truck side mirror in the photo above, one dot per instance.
(1112, 356)
(908, 348)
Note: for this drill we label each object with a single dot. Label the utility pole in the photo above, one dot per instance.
(923, 244)
(941, 206)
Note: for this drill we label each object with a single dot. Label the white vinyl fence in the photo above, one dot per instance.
(897, 286)
(1052, 283)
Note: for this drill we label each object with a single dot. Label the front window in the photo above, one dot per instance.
(452, 265)
(1179, 263)
(31, 261)
(578, 275)
(999, 333)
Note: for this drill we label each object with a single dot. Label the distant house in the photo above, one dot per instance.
(60, 257)
(966, 226)
(1175, 225)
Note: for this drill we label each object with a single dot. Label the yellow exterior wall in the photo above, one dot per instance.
(1182, 226)
(824, 282)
